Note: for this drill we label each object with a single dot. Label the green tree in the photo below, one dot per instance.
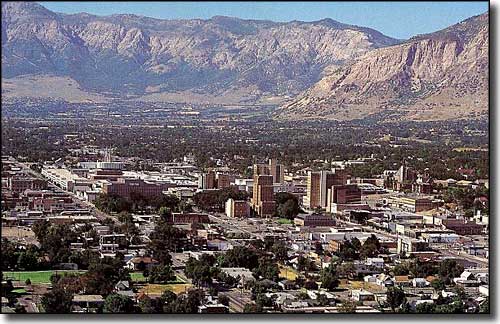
(252, 308)
(329, 278)
(200, 271)
(161, 274)
(267, 269)
(395, 297)
(165, 239)
(241, 256)
(347, 306)
(449, 269)
(280, 251)
(370, 248)
(425, 308)
(485, 306)
(438, 284)
(151, 306)
(57, 301)
(102, 276)
(116, 303)
(287, 205)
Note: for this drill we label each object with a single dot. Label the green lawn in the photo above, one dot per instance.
(285, 221)
(137, 277)
(36, 277)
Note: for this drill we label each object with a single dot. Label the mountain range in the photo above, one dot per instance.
(322, 69)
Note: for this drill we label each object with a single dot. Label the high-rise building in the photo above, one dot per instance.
(261, 169)
(318, 184)
(276, 170)
(263, 192)
(344, 194)
(207, 180)
(224, 180)
(271, 168)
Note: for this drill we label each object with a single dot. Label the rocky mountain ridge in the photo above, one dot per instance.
(318, 70)
(130, 54)
(435, 76)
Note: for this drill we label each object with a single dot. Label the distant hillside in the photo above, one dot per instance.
(219, 57)
(443, 75)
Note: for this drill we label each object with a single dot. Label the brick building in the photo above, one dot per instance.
(126, 188)
(314, 220)
(237, 208)
(318, 184)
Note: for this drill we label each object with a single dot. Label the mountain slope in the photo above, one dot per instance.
(134, 55)
(441, 75)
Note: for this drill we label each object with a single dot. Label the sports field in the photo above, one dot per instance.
(36, 277)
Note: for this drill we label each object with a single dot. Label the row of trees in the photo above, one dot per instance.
(214, 200)
(137, 203)
(354, 250)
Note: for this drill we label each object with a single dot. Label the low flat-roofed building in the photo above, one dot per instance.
(412, 203)
(463, 227)
(188, 218)
(127, 187)
(314, 220)
(63, 178)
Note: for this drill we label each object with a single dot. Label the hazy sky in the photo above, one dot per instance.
(395, 19)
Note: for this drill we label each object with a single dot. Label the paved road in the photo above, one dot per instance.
(482, 262)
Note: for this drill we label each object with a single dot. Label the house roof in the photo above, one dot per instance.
(143, 259)
(88, 298)
(401, 278)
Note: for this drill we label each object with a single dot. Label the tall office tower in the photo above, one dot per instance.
(263, 193)
(318, 184)
(276, 170)
(207, 180)
(261, 169)
(224, 180)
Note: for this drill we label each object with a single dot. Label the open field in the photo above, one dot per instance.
(138, 277)
(18, 233)
(374, 288)
(288, 273)
(36, 277)
(158, 289)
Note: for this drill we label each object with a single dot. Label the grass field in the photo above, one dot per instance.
(36, 277)
(137, 277)
(285, 221)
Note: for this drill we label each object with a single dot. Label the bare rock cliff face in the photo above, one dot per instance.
(436, 76)
(129, 54)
